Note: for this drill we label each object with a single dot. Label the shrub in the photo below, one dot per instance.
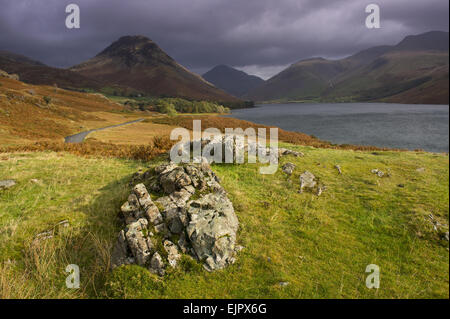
(47, 99)
(92, 147)
(167, 108)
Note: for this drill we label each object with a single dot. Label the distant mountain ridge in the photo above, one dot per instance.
(413, 71)
(233, 81)
(139, 63)
(38, 73)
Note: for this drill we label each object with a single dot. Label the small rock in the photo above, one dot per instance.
(239, 248)
(183, 244)
(285, 151)
(143, 197)
(137, 241)
(43, 236)
(307, 180)
(163, 230)
(176, 220)
(35, 181)
(120, 253)
(288, 168)
(173, 255)
(319, 190)
(6, 184)
(131, 209)
(153, 215)
(283, 284)
(377, 172)
(180, 197)
(157, 265)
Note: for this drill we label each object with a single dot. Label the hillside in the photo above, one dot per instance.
(45, 114)
(231, 80)
(413, 71)
(305, 241)
(396, 73)
(35, 72)
(303, 80)
(138, 62)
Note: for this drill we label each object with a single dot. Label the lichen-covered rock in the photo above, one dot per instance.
(288, 168)
(173, 256)
(176, 219)
(179, 198)
(8, 183)
(121, 254)
(212, 229)
(157, 265)
(142, 195)
(308, 181)
(137, 242)
(204, 228)
(285, 151)
(153, 215)
(183, 243)
(377, 172)
(174, 180)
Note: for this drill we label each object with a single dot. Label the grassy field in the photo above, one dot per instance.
(319, 245)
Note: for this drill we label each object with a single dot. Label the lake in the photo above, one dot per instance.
(409, 126)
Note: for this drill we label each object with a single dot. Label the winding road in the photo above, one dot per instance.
(79, 137)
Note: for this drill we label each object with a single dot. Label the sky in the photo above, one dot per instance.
(261, 37)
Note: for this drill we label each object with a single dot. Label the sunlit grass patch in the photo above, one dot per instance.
(320, 246)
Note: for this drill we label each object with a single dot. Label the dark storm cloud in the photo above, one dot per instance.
(260, 36)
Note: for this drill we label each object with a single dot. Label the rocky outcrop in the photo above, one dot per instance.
(159, 232)
(229, 149)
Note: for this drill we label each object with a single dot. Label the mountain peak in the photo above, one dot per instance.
(139, 63)
(136, 50)
(432, 40)
(223, 67)
(19, 58)
(232, 80)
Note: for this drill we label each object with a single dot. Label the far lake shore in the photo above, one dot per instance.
(407, 126)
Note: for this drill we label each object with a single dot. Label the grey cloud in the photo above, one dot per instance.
(248, 34)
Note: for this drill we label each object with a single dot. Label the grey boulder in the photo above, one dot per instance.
(212, 230)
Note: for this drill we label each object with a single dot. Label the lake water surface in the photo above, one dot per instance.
(410, 126)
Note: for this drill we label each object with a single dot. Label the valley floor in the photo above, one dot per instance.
(320, 246)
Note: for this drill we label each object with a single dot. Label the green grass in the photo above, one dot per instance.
(87, 193)
(320, 245)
